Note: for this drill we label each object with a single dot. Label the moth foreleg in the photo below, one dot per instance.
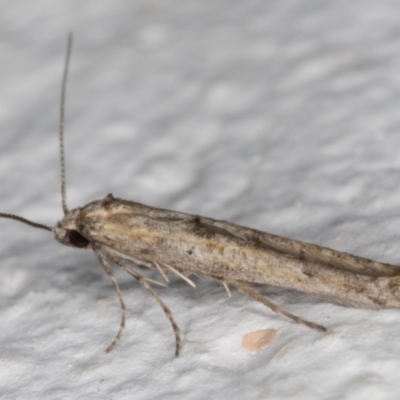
(247, 290)
(143, 281)
(110, 272)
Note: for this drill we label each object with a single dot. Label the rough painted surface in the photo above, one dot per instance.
(278, 115)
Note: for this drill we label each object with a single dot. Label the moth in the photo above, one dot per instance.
(125, 233)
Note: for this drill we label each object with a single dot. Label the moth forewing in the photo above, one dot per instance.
(188, 244)
(230, 253)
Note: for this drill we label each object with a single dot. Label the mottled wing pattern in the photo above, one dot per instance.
(308, 251)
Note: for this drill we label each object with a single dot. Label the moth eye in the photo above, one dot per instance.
(77, 240)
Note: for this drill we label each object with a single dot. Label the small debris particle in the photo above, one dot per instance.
(255, 341)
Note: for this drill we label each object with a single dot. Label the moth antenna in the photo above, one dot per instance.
(61, 127)
(62, 158)
(25, 221)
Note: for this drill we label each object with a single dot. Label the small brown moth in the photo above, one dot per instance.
(123, 233)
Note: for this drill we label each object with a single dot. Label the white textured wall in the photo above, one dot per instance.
(280, 115)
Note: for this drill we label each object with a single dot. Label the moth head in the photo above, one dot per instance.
(67, 231)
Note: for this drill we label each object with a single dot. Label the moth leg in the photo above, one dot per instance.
(181, 275)
(247, 290)
(156, 282)
(226, 287)
(110, 272)
(225, 284)
(162, 272)
(143, 281)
